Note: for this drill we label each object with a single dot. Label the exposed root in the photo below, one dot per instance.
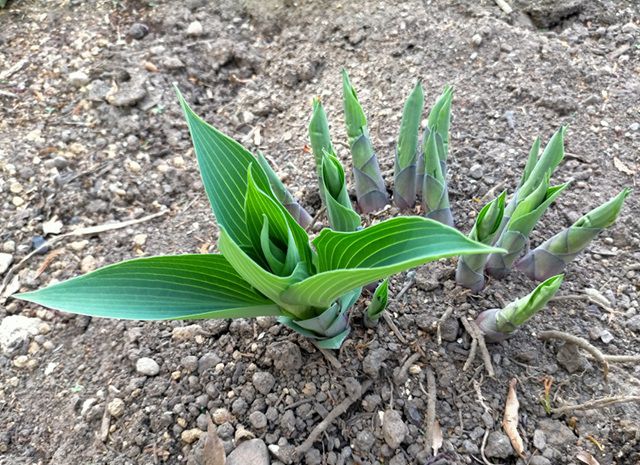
(472, 354)
(580, 342)
(477, 386)
(431, 408)
(597, 403)
(476, 335)
(338, 410)
(482, 447)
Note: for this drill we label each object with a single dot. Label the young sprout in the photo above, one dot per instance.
(533, 197)
(319, 134)
(515, 236)
(551, 257)
(370, 189)
(470, 271)
(435, 196)
(438, 120)
(404, 194)
(283, 195)
(498, 323)
(378, 304)
(342, 216)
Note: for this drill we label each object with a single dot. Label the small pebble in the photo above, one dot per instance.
(138, 31)
(147, 366)
(116, 407)
(78, 78)
(195, 29)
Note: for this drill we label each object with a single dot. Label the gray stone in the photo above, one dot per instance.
(476, 171)
(393, 428)
(258, 420)
(556, 432)
(449, 329)
(147, 366)
(138, 31)
(5, 260)
(498, 446)
(469, 447)
(78, 78)
(263, 381)
(172, 63)
(99, 90)
(571, 359)
(364, 440)
(539, 460)
(286, 356)
(207, 362)
(539, 439)
(127, 94)
(374, 361)
(15, 331)
(633, 323)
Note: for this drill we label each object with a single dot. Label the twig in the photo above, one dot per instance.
(77, 232)
(580, 342)
(478, 388)
(585, 297)
(472, 354)
(431, 408)
(409, 281)
(504, 6)
(338, 410)
(315, 218)
(476, 334)
(401, 376)
(441, 321)
(484, 444)
(597, 403)
(393, 327)
(331, 359)
(6, 93)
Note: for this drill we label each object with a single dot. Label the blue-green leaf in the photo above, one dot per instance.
(158, 288)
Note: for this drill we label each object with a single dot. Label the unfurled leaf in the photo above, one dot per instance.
(224, 164)
(156, 288)
(510, 419)
(350, 260)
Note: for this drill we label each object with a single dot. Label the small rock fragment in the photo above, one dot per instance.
(252, 452)
(191, 435)
(5, 261)
(78, 78)
(15, 331)
(374, 361)
(116, 407)
(258, 420)
(393, 428)
(147, 366)
(498, 446)
(138, 31)
(263, 381)
(195, 29)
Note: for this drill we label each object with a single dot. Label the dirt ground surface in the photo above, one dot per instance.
(91, 133)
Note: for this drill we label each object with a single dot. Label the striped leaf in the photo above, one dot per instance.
(158, 288)
(223, 165)
(348, 260)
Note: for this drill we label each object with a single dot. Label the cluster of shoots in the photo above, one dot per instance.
(268, 265)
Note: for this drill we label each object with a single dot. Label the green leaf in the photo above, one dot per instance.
(319, 136)
(378, 302)
(350, 260)
(263, 280)
(342, 216)
(545, 165)
(223, 166)
(158, 288)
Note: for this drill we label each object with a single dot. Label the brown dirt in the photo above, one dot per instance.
(66, 152)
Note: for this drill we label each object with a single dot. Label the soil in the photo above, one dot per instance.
(91, 133)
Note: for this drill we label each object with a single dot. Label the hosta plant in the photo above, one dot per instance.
(267, 265)
(499, 323)
(552, 256)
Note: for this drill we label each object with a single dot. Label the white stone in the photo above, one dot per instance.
(5, 260)
(195, 29)
(78, 78)
(16, 329)
(147, 366)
